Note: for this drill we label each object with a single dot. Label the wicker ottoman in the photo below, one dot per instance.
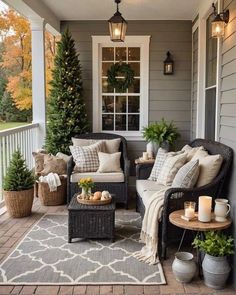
(86, 221)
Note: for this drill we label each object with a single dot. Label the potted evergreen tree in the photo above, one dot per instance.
(18, 186)
(215, 265)
(66, 113)
(160, 134)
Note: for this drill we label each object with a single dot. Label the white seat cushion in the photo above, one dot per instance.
(99, 177)
(143, 185)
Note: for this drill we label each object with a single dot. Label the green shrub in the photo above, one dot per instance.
(18, 176)
(215, 244)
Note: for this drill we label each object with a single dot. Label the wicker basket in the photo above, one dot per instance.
(19, 203)
(56, 198)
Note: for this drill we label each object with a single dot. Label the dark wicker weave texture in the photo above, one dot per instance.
(86, 221)
(119, 189)
(175, 197)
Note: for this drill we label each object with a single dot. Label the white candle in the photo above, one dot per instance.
(204, 208)
(189, 212)
(145, 156)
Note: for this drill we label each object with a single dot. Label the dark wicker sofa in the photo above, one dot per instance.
(119, 189)
(175, 197)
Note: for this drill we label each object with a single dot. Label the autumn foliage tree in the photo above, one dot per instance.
(15, 35)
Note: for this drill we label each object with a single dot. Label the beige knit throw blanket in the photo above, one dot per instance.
(149, 232)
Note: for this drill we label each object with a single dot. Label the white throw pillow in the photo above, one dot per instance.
(199, 155)
(209, 168)
(86, 157)
(170, 167)
(112, 146)
(187, 175)
(109, 162)
(191, 151)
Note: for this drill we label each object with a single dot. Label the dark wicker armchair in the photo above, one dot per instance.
(175, 197)
(119, 189)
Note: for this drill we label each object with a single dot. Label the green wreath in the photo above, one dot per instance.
(120, 84)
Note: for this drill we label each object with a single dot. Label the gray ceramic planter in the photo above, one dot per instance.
(184, 267)
(215, 271)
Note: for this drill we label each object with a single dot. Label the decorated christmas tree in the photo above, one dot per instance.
(66, 108)
(18, 176)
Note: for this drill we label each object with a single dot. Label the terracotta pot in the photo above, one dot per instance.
(19, 203)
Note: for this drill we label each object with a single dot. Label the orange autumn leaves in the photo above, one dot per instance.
(15, 35)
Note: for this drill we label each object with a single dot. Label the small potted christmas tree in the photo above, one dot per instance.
(18, 187)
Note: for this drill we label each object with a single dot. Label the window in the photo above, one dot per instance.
(127, 112)
(120, 111)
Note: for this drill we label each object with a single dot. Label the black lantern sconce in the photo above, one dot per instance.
(117, 26)
(218, 24)
(168, 65)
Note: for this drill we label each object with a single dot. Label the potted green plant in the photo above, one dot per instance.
(215, 266)
(18, 186)
(160, 134)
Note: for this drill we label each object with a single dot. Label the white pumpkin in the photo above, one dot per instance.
(106, 194)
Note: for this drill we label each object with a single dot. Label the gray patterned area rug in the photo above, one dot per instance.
(45, 257)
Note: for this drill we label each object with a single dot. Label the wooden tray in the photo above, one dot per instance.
(93, 202)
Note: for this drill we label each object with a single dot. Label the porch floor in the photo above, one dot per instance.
(12, 231)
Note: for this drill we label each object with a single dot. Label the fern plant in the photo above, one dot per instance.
(161, 132)
(18, 176)
(215, 244)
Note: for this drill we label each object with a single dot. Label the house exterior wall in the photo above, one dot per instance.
(169, 96)
(227, 133)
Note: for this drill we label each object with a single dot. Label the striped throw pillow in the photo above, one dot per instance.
(170, 169)
(187, 175)
(159, 161)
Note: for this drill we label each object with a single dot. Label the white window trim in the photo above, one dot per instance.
(143, 42)
(204, 12)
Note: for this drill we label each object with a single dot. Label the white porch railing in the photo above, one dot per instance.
(24, 138)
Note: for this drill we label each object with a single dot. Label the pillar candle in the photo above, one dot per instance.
(189, 212)
(145, 156)
(204, 208)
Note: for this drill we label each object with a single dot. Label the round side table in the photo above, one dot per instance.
(195, 225)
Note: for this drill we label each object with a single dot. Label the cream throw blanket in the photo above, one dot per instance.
(53, 181)
(149, 232)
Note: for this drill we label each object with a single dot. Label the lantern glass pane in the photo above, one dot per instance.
(123, 31)
(168, 68)
(218, 29)
(115, 31)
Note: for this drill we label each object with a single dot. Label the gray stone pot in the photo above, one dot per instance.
(152, 147)
(215, 271)
(184, 267)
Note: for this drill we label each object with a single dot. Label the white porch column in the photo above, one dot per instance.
(38, 78)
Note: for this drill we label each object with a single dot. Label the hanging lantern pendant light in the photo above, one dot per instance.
(117, 26)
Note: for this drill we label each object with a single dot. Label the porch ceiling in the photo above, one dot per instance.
(131, 9)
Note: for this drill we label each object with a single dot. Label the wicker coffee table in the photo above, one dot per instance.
(91, 221)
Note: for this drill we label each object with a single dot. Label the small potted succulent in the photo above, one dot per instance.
(160, 134)
(217, 247)
(18, 186)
